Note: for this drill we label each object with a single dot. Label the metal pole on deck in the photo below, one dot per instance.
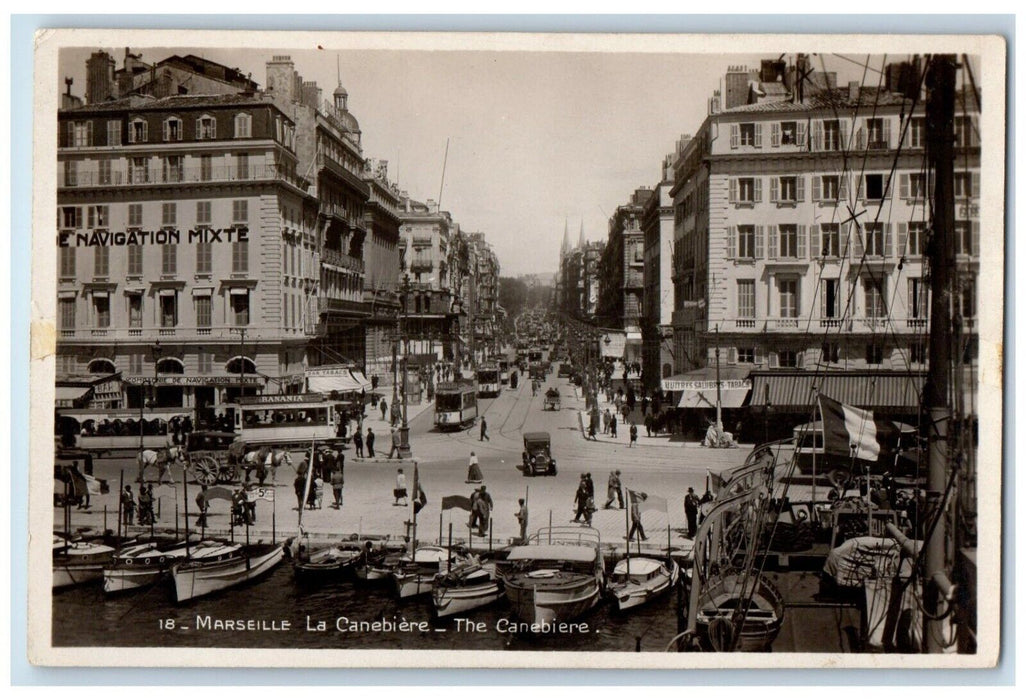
(120, 516)
(185, 502)
(448, 559)
(105, 518)
(490, 533)
(550, 526)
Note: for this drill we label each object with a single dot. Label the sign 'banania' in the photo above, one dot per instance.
(168, 236)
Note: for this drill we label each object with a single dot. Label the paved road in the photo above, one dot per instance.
(655, 467)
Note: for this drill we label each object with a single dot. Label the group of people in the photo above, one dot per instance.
(584, 499)
(328, 468)
(143, 508)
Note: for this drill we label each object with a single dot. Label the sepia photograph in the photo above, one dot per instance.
(608, 351)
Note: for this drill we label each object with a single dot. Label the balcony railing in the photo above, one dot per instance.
(179, 333)
(786, 324)
(744, 323)
(151, 176)
(343, 260)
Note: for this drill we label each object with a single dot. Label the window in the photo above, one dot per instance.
(913, 186)
(203, 309)
(789, 307)
(746, 242)
(966, 185)
(101, 310)
(169, 310)
(829, 188)
(135, 363)
(137, 131)
(243, 126)
(206, 168)
(876, 302)
(202, 212)
(173, 170)
(169, 259)
(965, 243)
(101, 261)
(746, 298)
(787, 358)
(240, 256)
(917, 132)
(67, 262)
(788, 133)
(830, 240)
(103, 171)
(242, 166)
(917, 299)
(139, 170)
(878, 133)
(875, 240)
(67, 314)
(749, 189)
(98, 216)
(80, 133)
(70, 217)
(113, 132)
(748, 132)
(240, 307)
(135, 310)
(70, 173)
(874, 353)
(788, 239)
(965, 132)
(135, 215)
(173, 129)
(968, 298)
(169, 213)
(830, 352)
(787, 189)
(746, 355)
(206, 127)
(831, 300)
(916, 238)
(204, 359)
(832, 135)
(204, 258)
(240, 210)
(135, 261)
(874, 187)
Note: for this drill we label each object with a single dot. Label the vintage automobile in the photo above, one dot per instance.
(551, 399)
(566, 370)
(537, 457)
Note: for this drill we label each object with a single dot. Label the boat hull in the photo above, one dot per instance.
(761, 623)
(197, 579)
(630, 596)
(546, 604)
(411, 585)
(80, 563)
(454, 600)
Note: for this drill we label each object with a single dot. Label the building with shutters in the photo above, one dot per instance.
(621, 273)
(656, 328)
(801, 225)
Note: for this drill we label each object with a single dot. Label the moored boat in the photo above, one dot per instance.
(556, 577)
(468, 586)
(230, 566)
(328, 562)
(416, 576)
(141, 564)
(719, 613)
(637, 580)
(79, 561)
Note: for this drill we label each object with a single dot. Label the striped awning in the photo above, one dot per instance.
(782, 390)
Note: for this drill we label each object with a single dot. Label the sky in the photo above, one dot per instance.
(536, 140)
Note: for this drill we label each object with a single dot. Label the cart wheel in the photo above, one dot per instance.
(205, 470)
(228, 474)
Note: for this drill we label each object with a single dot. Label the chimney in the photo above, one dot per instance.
(853, 91)
(714, 103)
(432, 205)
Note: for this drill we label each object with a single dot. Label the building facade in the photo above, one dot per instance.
(621, 273)
(657, 332)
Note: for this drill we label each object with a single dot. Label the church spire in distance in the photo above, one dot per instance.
(580, 239)
(565, 248)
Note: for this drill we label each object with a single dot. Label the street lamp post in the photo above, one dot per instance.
(148, 392)
(405, 451)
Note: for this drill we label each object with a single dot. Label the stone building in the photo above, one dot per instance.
(656, 328)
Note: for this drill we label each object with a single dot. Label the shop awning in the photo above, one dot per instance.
(363, 381)
(706, 398)
(70, 393)
(336, 378)
(704, 379)
(894, 390)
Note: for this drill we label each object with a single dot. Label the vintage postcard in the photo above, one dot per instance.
(604, 351)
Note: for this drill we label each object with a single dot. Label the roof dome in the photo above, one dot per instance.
(349, 121)
(340, 91)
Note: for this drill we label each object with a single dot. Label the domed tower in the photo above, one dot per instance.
(341, 98)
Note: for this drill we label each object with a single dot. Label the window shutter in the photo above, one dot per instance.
(773, 361)
(842, 186)
(975, 179)
(775, 134)
(814, 241)
(735, 135)
(758, 189)
(759, 359)
(799, 360)
(974, 131)
(71, 133)
(803, 232)
(860, 140)
(888, 239)
(887, 132)
(732, 243)
(903, 185)
(772, 247)
(817, 135)
(975, 225)
(167, 130)
(817, 189)
(732, 356)
(911, 301)
(732, 190)
(845, 128)
(89, 134)
(843, 242)
(801, 134)
(857, 234)
(760, 232)
(824, 310)
(902, 239)
(758, 135)
(199, 127)
(800, 188)
(774, 189)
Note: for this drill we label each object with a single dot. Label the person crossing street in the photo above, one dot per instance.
(484, 430)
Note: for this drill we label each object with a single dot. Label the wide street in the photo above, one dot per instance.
(656, 466)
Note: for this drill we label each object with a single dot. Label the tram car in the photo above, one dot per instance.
(284, 420)
(504, 371)
(455, 405)
(488, 383)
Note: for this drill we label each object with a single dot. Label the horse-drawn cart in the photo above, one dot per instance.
(214, 457)
(552, 399)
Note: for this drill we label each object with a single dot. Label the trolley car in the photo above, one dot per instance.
(455, 405)
(279, 420)
(488, 381)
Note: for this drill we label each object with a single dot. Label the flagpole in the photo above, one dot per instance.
(185, 503)
(816, 411)
(627, 525)
(413, 505)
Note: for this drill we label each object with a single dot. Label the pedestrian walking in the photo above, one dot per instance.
(337, 482)
(384, 408)
(128, 505)
(614, 490)
(394, 452)
(474, 475)
(691, 504)
(396, 414)
(606, 416)
(484, 430)
(581, 500)
(399, 492)
(370, 442)
(203, 505)
(145, 505)
(522, 519)
(589, 484)
(249, 502)
(474, 512)
(636, 526)
(612, 426)
(358, 442)
(484, 505)
(648, 424)
(634, 435)
(299, 483)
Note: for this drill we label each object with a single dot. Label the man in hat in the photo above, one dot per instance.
(614, 490)
(691, 503)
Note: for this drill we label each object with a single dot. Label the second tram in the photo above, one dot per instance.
(455, 405)
(488, 382)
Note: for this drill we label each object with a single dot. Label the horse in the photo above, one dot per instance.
(263, 461)
(162, 458)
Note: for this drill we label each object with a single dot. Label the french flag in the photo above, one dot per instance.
(854, 432)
